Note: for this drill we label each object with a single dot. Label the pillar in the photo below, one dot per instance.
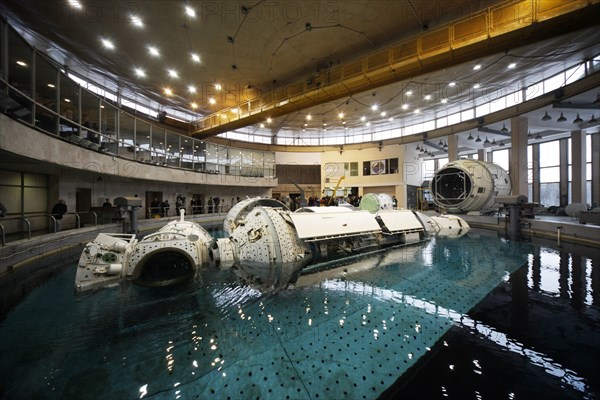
(518, 156)
(596, 169)
(578, 183)
(481, 154)
(452, 148)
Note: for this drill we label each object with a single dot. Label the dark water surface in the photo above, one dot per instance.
(476, 317)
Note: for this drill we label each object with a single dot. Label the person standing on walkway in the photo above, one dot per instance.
(57, 212)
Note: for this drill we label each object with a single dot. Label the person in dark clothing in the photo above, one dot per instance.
(107, 204)
(216, 201)
(165, 206)
(58, 211)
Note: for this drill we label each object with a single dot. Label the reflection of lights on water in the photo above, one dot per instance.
(169, 357)
(536, 358)
(143, 390)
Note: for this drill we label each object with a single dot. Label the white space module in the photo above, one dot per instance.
(268, 245)
(469, 185)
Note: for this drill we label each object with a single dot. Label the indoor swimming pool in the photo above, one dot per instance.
(475, 317)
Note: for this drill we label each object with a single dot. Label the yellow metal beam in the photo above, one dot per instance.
(507, 24)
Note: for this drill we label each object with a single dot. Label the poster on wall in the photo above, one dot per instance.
(378, 167)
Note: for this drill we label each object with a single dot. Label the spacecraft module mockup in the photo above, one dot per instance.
(268, 246)
(469, 185)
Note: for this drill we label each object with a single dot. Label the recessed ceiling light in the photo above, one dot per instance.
(363, 118)
(427, 97)
(218, 87)
(512, 65)
(269, 120)
(137, 21)
(409, 92)
(68, 100)
(194, 105)
(444, 101)
(308, 117)
(173, 73)
(168, 92)
(192, 89)
(74, 3)
(22, 63)
(51, 85)
(195, 57)
(108, 44)
(417, 111)
(476, 86)
(211, 100)
(452, 84)
(404, 106)
(374, 107)
(383, 113)
(140, 72)
(341, 115)
(324, 123)
(153, 51)
(477, 67)
(368, 124)
(190, 12)
(262, 125)
(390, 119)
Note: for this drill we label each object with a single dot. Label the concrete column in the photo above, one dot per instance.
(535, 168)
(596, 168)
(518, 155)
(578, 184)
(481, 155)
(452, 148)
(564, 172)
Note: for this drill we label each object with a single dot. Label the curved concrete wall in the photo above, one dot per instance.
(24, 141)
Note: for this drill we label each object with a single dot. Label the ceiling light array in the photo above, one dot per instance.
(153, 51)
(405, 106)
(426, 152)
(562, 118)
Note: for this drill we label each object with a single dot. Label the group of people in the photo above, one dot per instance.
(158, 208)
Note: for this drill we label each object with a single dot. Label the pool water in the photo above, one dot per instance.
(474, 317)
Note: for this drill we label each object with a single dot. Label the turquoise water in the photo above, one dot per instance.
(350, 335)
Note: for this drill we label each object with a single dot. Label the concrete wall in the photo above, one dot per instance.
(71, 168)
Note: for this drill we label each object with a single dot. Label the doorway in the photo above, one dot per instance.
(83, 199)
(153, 200)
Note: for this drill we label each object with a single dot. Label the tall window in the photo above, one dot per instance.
(550, 173)
(351, 168)
(501, 158)
(428, 170)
